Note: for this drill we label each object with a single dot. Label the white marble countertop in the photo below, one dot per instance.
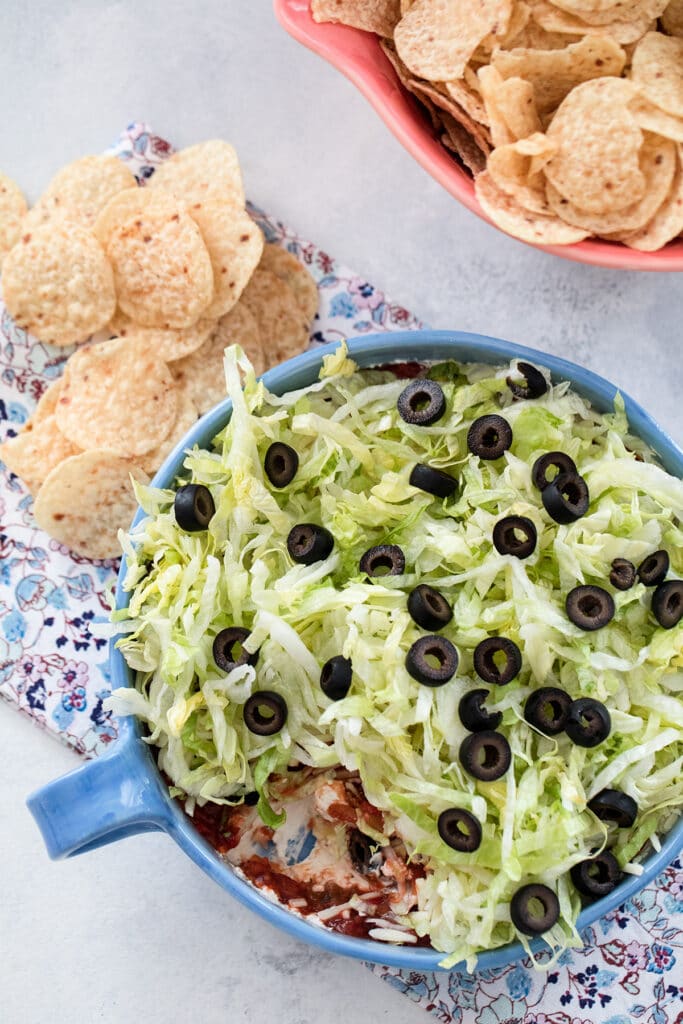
(133, 931)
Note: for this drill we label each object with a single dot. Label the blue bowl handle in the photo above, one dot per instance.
(107, 799)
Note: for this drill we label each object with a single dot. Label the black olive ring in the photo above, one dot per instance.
(280, 463)
(596, 876)
(489, 436)
(474, 715)
(485, 755)
(588, 722)
(335, 677)
(533, 383)
(429, 608)
(485, 664)
(589, 607)
(524, 913)
(383, 560)
(193, 507)
(551, 460)
(459, 829)
(432, 481)
(653, 569)
(256, 721)
(308, 543)
(547, 709)
(224, 649)
(422, 402)
(441, 667)
(506, 540)
(667, 603)
(566, 498)
(622, 574)
(362, 849)
(613, 805)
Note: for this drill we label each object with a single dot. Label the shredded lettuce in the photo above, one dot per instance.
(355, 458)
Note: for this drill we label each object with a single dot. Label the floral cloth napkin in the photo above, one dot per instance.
(53, 668)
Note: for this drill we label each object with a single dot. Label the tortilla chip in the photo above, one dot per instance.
(378, 16)
(282, 326)
(657, 68)
(35, 452)
(208, 168)
(80, 191)
(287, 267)
(672, 18)
(234, 243)
(667, 223)
(515, 220)
(12, 210)
(436, 38)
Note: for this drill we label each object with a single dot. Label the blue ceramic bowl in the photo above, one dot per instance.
(122, 793)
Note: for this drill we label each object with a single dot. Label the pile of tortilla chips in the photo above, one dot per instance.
(569, 113)
(164, 277)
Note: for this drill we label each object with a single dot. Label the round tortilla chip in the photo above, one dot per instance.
(187, 415)
(35, 452)
(378, 16)
(117, 397)
(169, 344)
(672, 18)
(512, 169)
(290, 270)
(596, 166)
(201, 376)
(658, 164)
(436, 38)
(47, 403)
(599, 12)
(524, 224)
(162, 267)
(12, 210)
(58, 284)
(209, 168)
(234, 243)
(667, 222)
(552, 19)
(86, 500)
(281, 324)
(654, 119)
(81, 190)
(657, 67)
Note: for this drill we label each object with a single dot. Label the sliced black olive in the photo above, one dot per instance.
(251, 799)
(597, 876)
(308, 543)
(228, 650)
(432, 660)
(460, 830)
(532, 385)
(265, 712)
(193, 507)
(281, 463)
(429, 608)
(551, 460)
(588, 722)
(623, 574)
(489, 436)
(474, 715)
(566, 498)
(383, 560)
(361, 850)
(422, 402)
(534, 909)
(507, 539)
(667, 603)
(589, 607)
(547, 709)
(486, 664)
(485, 755)
(613, 805)
(433, 481)
(654, 568)
(335, 677)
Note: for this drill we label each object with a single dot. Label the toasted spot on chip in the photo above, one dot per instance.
(208, 168)
(596, 165)
(657, 163)
(554, 73)
(12, 209)
(657, 67)
(436, 38)
(86, 500)
(162, 267)
(201, 376)
(287, 267)
(515, 220)
(378, 16)
(672, 18)
(187, 415)
(167, 344)
(667, 222)
(81, 190)
(34, 452)
(282, 326)
(117, 397)
(58, 284)
(234, 243)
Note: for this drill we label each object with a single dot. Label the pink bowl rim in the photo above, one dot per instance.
(345, 48)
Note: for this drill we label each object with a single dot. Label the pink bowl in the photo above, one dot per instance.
(358, 55)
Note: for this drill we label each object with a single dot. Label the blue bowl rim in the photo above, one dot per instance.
(369, 350)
